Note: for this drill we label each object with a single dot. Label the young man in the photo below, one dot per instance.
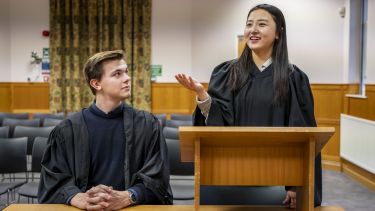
(110, 155)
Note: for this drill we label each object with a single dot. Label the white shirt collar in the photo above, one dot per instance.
(266, 64)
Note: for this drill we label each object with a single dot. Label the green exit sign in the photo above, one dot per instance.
(156, 70)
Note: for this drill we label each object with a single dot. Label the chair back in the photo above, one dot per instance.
(13, 155)
(182, 117)
(12, 116)
(40, 145)
(48, 122)
(178, 123)
(173, 144)
(162, 119)
(50, 116)
(4, 132)
(21, 122)
(71, 113)
(31, 133)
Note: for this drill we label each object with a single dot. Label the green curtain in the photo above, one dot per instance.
(81, 28)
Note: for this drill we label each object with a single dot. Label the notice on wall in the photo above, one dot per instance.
(156, 70)
(45, 65)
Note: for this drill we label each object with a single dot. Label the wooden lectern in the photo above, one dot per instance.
(258, 156)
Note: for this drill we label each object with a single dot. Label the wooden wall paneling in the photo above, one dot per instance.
(328, 105)
(350, 89)
(331, 151)
(328, 102)
(5, 97)
(363, 107)
(30, 97)
(171, 98)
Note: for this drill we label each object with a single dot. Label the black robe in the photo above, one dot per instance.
(66, 162)
(252, 106)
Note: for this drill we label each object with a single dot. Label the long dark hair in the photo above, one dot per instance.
(240, 70)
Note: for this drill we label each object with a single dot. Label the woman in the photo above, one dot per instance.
(261, 88)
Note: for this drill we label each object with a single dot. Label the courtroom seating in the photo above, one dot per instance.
(31, 133)
(43, 116)
(12, 160)
(182, 174)
(4, 132)
(162, 119)
(20, 122)
(173, 143)
(30, 189)
(51, 116)
(71, 113)
(47, 122)
(242, 195)
(12, 116)
(177, 123)
(182, 117)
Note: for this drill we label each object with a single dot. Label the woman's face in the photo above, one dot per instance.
(260, 31)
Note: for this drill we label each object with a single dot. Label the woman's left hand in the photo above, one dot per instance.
(291, 199)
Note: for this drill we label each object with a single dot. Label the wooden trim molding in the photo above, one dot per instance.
(328, 121)
(362, 107)
(359, 174)
(331, 162)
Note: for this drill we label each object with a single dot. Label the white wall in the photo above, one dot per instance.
(193, 36)
(216, 25)
(4, 41)
(316, 38)
(370, 65)
(27, 21)
(171, 37)
(314, 30)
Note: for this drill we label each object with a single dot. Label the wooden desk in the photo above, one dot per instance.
(60, 207)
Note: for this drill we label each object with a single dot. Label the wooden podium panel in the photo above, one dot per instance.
(247, 136)
(266, 156)
(258, 165)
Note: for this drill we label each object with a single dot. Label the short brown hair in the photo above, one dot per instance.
(93, 67)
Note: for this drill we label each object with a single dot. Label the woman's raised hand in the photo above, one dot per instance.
(189, 83)
(192, 84)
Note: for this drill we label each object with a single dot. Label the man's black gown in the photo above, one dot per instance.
(66, 161)
(253, 105)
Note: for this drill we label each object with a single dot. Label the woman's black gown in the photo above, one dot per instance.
(253, 105)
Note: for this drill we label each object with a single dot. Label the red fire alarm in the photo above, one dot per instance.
(45, 33)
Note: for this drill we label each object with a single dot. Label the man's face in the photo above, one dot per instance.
(115, 81)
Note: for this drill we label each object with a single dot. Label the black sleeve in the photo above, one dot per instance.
(302, 100)
(302, 114)
(221, 111)
(143, 194)
(57, 184)
(154, 173)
